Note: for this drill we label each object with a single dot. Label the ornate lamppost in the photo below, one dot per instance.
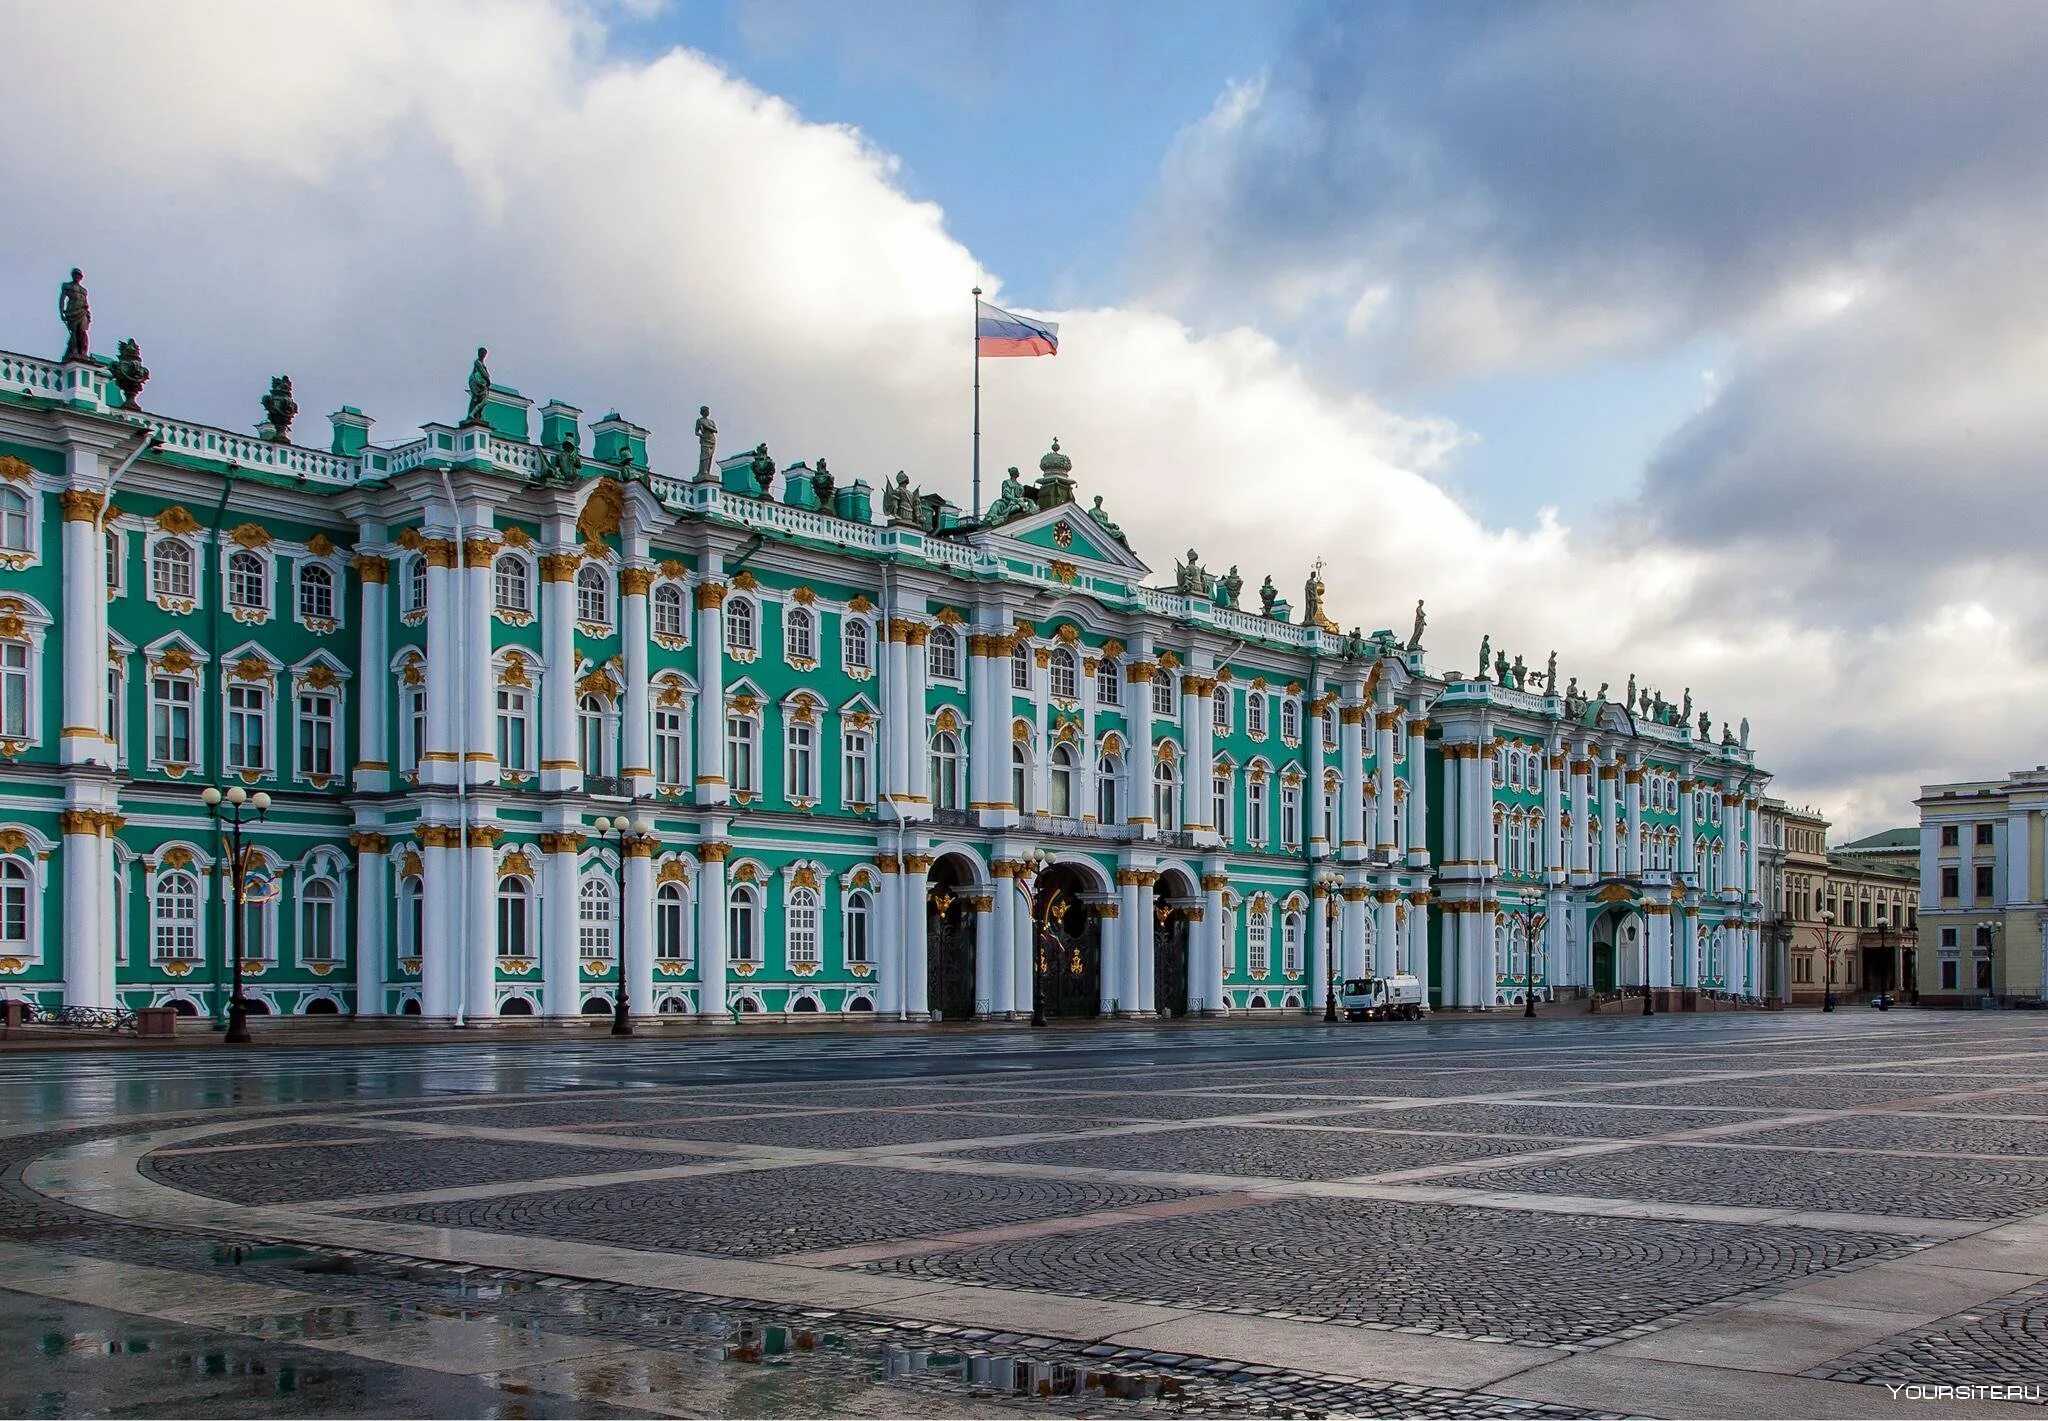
(1532, 920)
(241, 808)
(619, 831)
(1330, 881)
(1829, 937)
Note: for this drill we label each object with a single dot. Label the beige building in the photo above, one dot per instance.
(1835, 918)
(1985, 931)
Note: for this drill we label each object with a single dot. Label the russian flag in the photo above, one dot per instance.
(997, 332)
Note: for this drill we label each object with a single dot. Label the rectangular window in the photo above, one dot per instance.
(14, 690)
(800, 769)
(1984, 889)
(1951, 974)
(316, 732)
(739, 754)
(1162, 692)
(1255, 712)
(114, 710)
(170, 720)
(512, 741)
(1951, 883)
(1219, 709)
(248, 728)
(414, 741)
(1951, 835)
(1255, 811)
(1257, 946)
(1984, 833)
(855, 780)
(669, 739)
(1290, 816)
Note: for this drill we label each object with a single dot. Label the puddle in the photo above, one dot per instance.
(1028, 1376)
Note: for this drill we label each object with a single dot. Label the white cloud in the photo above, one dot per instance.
(358, 195)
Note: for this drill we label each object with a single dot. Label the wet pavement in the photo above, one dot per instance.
(1553, 1218)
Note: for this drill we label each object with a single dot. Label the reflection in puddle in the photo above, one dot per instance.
(1028, 1376)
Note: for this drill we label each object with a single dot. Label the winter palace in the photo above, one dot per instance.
(535, 721)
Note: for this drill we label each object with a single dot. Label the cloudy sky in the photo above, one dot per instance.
(1707, 343)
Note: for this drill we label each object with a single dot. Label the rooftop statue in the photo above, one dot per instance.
(1268, 595)
(1685, 710)
(822, 484)
(1421, 621)
(75, 311)
(280, 409)
(1727, 736)
(1188, 578)
(1231, 585)
(1602, 697)
(1629, 700)
(130, 375)
(563, 466)
(1014, 501)
(1521, 673)
(1486, 657)
(707, 444)
(1706, 727)
(1103, 521)
(1550, 676)
(1312, 613)
(479, 388)
(1500, 667)
(899, 500)
(1745, 733)
(763, 470)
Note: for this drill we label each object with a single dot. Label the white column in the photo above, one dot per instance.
(1632, 840)
(711, 785)
(1111, 930)
(917, 762)
(1023, 948)
(1386, 946)
(988, 964)
(637, 924)
(1609, 772)
(1688, 862)
(372, 899)
(82, 627)
(88, 956)
(916, 935)
(1002, 939)
(1383, 777)
(1138, 763)
(984, 739)
(1749, 849)
(1312, 792)
(1659, 946)
(1353, 928)
(1211, 949)
(1196, 768)
(480, 882)
(1351, 760)
(1418, 942)
(1559, 969)
(2019, 859)
(438, 885)
(1318, 946)
(561, 982)
(888, 948)
(1479, 789)
(559, 767)
(1141, 932)
(712, 949)
(373, 746)
(1582, 817)
(1553, 814)
(479, 693)
(441, 763)
(636, 759)
(1418, 787)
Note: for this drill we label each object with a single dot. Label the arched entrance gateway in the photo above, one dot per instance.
(1066, 944)
(1618, 949)
(949, 938)
(1173, 907)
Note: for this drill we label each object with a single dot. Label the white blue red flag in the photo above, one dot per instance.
(998, 332)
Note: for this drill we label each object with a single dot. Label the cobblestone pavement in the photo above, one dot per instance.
(776, 1211)
(1914, 1186)
(1486, 1273)
(1261, 1151)
(1025, 1278)
(390, 1166)
(2000, 1342)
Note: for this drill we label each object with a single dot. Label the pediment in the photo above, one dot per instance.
(1063, 531)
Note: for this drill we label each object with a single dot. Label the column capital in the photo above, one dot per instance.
(369, 843)
(79, 505)
(559, 567)
(562, 843)
(713, 851)
(371, 568)
(1215, 882)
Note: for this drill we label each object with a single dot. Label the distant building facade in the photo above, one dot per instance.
(1983, 922)
(1845, 916)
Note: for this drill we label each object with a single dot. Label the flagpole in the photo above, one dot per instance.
(977, 402)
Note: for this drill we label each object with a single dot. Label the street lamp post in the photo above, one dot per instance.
(241, 807)
(1533, 920)
(1026, 874)
(620, 830)
(1828, 939)
(1330, 881)
(1992, 931)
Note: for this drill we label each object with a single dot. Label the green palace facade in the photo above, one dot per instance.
(896, 760)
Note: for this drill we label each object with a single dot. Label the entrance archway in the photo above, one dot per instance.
(1617, 950)
(1172, 897)
(1066, 944)
(949, 938)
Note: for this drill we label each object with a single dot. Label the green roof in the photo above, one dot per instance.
(1906, 838)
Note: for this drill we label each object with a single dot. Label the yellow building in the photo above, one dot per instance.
(1984, 935)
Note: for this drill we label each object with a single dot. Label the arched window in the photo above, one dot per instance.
(170, 569)
(412, 917)
(1290, 815)
(510, 589)
(1256, 827)
(742, 760)
(668, 611)
(739, 625)
(416, 583)
(800, 760)
(1020, 666)
(1062, 788)
(802, 927)
(1500, 766)
(1165, 797)
(316, 592)
(1062, 682)
(176, 930)
(945, 767)
(1220, 785)
(799, 634)
(1219, 709)
(515, 902)
(1109, 774)
(1109, 682)
(1290, 718)
(854, 928)
(593, 595)
(316, 920)
(1330, 783)
(743, 920)
(14, 890)
(1255, 712)
(671, 924)
(1258, 939)
(853, 644)
(1290, 943)
(1500, 841)
(1020, 776)
(594, 917)
(248, 587)
(13, 521)
(1162, 692)
(942, 654)
(595, 744)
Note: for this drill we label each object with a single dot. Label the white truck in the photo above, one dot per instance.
(1382, 998)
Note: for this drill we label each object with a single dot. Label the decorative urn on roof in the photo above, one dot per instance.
(1055, 478)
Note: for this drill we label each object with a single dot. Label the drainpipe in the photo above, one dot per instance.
(219, 684)
(462, 757)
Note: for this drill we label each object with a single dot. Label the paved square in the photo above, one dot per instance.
(390, 1165)
(1525, 1118)
(860, 1130)
(1261, 1151)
